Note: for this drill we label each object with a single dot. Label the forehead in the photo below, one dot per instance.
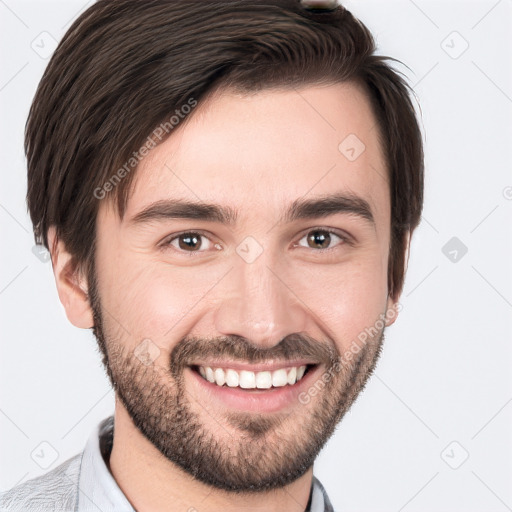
(263, 150)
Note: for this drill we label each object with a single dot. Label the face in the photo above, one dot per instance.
(240, 301)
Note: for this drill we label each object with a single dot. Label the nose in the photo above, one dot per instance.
(259, 303)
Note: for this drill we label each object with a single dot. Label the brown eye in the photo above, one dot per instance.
(321, 239)
(189, 241)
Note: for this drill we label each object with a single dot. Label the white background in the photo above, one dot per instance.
(443, 388)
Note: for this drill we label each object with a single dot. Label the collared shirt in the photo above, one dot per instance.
(84, 484)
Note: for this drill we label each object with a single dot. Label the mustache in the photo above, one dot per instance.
(295, 346)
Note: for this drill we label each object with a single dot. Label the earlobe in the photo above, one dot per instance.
(392, 309)
(71, 286)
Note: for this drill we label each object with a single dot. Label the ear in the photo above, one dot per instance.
(71, 286)
(392, 309)
(393, 306)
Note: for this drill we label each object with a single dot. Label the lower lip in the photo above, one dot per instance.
(255, 400)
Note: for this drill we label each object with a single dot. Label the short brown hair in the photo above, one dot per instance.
(125, 66)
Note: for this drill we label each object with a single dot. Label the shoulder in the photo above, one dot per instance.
(53, 491)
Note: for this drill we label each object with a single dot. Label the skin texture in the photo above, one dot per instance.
(255, 153)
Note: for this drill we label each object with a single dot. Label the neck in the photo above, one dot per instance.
(152, 483)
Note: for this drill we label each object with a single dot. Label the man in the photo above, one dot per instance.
(228, 191)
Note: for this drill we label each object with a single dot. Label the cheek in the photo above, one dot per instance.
(347, 299)
(156, 300)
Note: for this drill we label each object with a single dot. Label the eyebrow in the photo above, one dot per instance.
(299, 209)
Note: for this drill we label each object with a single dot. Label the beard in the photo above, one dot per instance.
(244, 451)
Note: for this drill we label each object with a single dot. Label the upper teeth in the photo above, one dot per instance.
(252, 380)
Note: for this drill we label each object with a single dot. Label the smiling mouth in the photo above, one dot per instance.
(245, 379)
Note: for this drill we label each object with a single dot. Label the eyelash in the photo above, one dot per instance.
(344, 239)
